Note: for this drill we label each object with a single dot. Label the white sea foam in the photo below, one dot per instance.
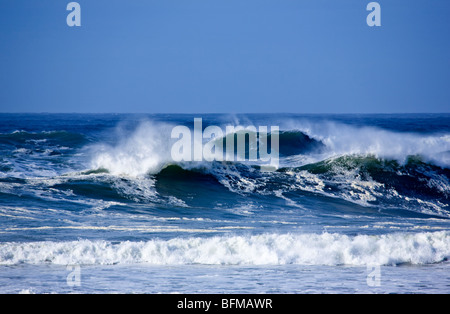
(146, 150)
(265, 249)
(341, 139)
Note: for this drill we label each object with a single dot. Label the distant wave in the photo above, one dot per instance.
(60, 137)
(265, 249)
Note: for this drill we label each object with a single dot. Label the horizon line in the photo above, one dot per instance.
(231, 113)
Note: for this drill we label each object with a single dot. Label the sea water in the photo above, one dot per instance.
(93, 203)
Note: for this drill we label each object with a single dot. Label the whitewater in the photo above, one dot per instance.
(101, 192)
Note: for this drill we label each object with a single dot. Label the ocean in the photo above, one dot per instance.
(94, 203)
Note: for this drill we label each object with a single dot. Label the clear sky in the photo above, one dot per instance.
(225, 56)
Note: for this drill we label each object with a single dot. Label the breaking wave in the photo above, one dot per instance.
(264, 249)
(366, 166)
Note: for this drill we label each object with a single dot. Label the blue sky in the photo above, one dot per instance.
(225, 56)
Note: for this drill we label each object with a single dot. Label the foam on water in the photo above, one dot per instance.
(265, 249)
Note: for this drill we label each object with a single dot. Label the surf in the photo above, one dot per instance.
(329, 249)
